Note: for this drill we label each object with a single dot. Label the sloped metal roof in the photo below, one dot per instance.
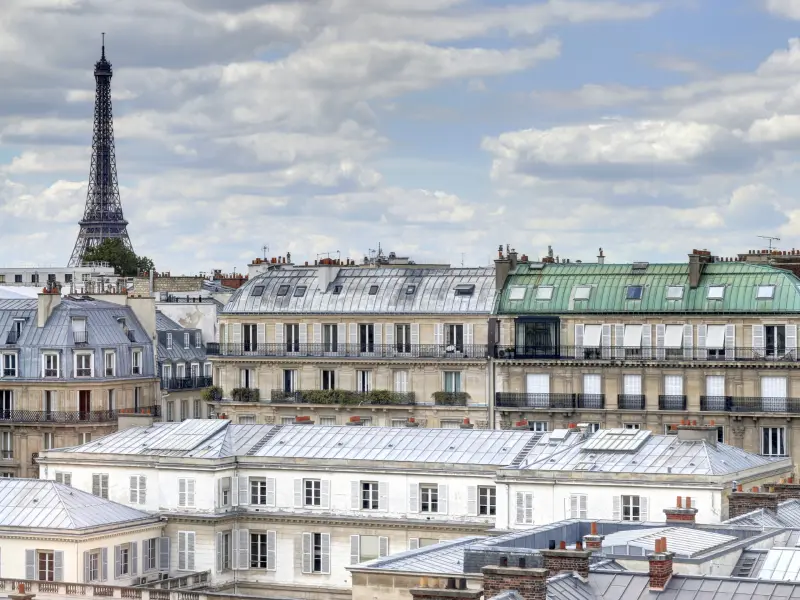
(609, 284)
(787, 515)
(177, 352)
(781, 564)
(683, 541)
(38, 503)
(444, 558)
(433, 292)
(164, 323)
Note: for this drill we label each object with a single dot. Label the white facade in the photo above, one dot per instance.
(36, 277)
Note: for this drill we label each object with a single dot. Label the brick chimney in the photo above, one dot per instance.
(684, 513)
(502, 268)
(567, 561)
(466, 424)
(697, 261)
(593, 542)
(660, 566)
(741, 502)
(456, 589)
(786, 489)
(531, 584)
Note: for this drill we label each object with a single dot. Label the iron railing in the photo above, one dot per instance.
(80, 337)
(450, 398)
(186, 383)
(78, 416)
(346, 397)
(749, 404)
(668, 402)
(550, 401)
(631, 401)
(646, 353)
(590, 401)
(400, 351)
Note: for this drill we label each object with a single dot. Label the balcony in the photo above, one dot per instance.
(535, 401)
(396, 351)
(94, 416)
(666, 402)
(80, 337)
(746, 404)
(450, 398)
(186, 383)
(631, 401)
(343, 397)
(648, 354)
(590, 401)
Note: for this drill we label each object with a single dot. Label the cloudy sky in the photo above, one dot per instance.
(438, 128)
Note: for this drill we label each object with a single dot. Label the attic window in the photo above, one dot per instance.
(765, 292)
(544, 292)
(465, 289)
(337, 289)
(582, 292)
(716, 292)
(299, 291)
(258, 290)
(674, 292)
(373, 290)
(634, 292)
(410, 290)
(283, 290)
(517, 293)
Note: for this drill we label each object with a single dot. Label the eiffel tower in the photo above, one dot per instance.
(102, 218)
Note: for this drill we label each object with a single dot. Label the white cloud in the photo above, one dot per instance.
(784, 8)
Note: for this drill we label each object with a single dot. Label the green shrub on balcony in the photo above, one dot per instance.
(212, 394)
(450, 398)
(244, 395)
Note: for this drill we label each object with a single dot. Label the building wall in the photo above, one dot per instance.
(194, 315)
(179, 405)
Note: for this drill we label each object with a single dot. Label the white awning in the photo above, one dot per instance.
(633, 336)
(674, 336)
(591, 336)
(715, 338)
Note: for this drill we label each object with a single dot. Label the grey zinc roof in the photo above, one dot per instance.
(787, 515)
(38, 503)
(433, 292)
(665, 454)
(683, 541)
(177, 352)
(444, 558)
(164, 323)
(781, 564)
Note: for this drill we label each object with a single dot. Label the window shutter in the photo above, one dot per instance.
(68, 479)
(688, 342)
(219, 551)
(117, 562)
(442, 499)
(383, 496)
(190, 550)
(605, 340)
(529, 508)
(619, 340)
(237, 333)
(163, 554)
(235, 549)
(438, 334)
(243, 548)
(468, 336)
(520, 508)
(190, 492)
(702, 331)
(647, 341)
(87, 573)
(579, 340)
(270, 491)
(134, 496)
(317, 333)
(730, 342)
(413, 498)
(353, 334)
(279, 335)
(325, 493)
(758, 340)
(272, 550)
(302, 337)
(306, 568)
(104, 564)
(472, 500)
(233, 491)
(573, 506)
(355, 549)
(58, 565)
(415, 338)
(181, 551)
(326, 553)
(661, 332)
(59, 477)
(30, 564)
(134, 550)
(413, 543)
(142, 489)
(791, 341)
(261, 337)
(181, 492)
(617, 509)
(355, 495)
(388, 337)
(341, 335)
(95, 485)
(644, 514)
(583, 506)
(377, 329)
(383, 546)
(242, 490)
(298, 493)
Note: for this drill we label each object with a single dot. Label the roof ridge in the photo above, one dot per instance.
(56, 488)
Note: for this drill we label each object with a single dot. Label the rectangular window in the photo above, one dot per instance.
(327, 420)
(198, 340)
(48, 441)
(287, 420)
(64, 478)
(773, 441)
(186, 492)
(369, 547)
(401, 381)
(540, 426)
(94, 566)
(369, 495)
(538, 338)
(149, 549)
(452, 381)
(137, 399)
(716, 292)
(449, 423)
(633, 426)
(170, 411)
(631, 508)
(366, 337)
(46, 563)
(138, 489)
(312, 492)
(246, 378)
(249, 337)
(83, 365)
(330, 337)
(258, 490)
(50, 365)
(399, 422)
(258, 550)
(100, 485)
(169, 341)
(487, 500)
(578, 506)
(6, 445)
(319, 553)
(49, 403)
(247, 419)
(184, 410)
(9, 365)
(186, 344)
(775, 340)
(6, 404)
(180, 371)
(428, 498)
(674, 292)
(124, 559)
(402, 338)
(363, 381)
(292, 337)
(329, 380)
(136, 362)
(454, 337)
(186, 540)
(634, 292)
(207, 370)
(225, 551)
(289, 380)
(84, 437)
(110, 363)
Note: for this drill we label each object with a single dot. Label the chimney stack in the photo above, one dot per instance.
(601, 259)
(697, 262)
(502, 268)
(660, 566)
(530, 584)
(48, 301)
(593, 542)
(690, 431)
(682, 514)
(741, 502)
(563, 560)
(455, 589)
(466, 424)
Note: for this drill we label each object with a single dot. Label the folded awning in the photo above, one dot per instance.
(591, 336)
(715, 338)
(633, 336)
(674, 336)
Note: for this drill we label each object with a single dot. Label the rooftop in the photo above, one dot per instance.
(41, 504)
(787, 515)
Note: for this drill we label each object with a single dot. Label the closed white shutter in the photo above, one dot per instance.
(773, 394)
(468, 336)
(341, 335)
(272, 550)
(605, 341)
(757, 337)
(383, 546)
(181, 553)
(298, 493)
(377, 329)
(302, 336)
(578, 340)
(443, 499)
(325, 552)
(520, 498)
(242, 490)
(715, 386)
(181, 492)
(163, 554)
(355, 495)
(58, 564)
(317, 329)
(644, 514)
(673, 385)
(632, 337)
(218, 547)
(383, 496)
(537, 383)
(237, 333)
(647, 341)
(472, 500)
(702, 351)
(660, 335)
(134, 489)
(413, 544)
(190, 492)
(791, 342)
(413, 498)
(261, 337)
(730, 342)
(388, 336)
(619, 340)
(617, 509)
(592, 384)
(529, 508)
(583, 506)
(573, 506)
(688, 342)
(632, 385)
(270, 491)
(355, 549)
(325, 493)
(401, 381)
(30, 564)
(414, 337)
(353, 334)
(243, 549)
(279, 335)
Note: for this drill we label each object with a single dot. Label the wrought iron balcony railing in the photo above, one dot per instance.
(535, 401)
(399, 351)
(590, 401)
(646, 353)
(749, 404)
(450, 398)
(667, 402)
(344, 397)
(631, 401)
(186, 383)
(78, 416)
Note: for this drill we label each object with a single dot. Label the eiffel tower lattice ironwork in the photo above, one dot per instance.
(102, 218)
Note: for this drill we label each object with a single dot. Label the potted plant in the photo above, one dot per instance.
(212, 394)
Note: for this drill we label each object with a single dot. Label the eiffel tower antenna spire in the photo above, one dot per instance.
(102, 217)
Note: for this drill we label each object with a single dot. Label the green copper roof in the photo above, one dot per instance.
(609, 289)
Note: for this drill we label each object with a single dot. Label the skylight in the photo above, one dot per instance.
(634, 292)
(258, 290)
(582, 292)
(299, 291)
(337, 289)
(674, 292)
(411, 289)
(765, 292)
(373, 289)
(465, 289)
(716, 292)
(283, 290)
(544, 292)
(517, 293)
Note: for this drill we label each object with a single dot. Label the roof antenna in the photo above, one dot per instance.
(104, 45)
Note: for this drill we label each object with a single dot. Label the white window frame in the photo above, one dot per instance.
(137, 489)
(578, 506)
(136, 361)
(79, 355)
(113, 369)
(169, 341)
(773, 436)
(715, 292)
(454, 383)
(765, 292)
(48, 357)
(544, 292)
(15, 369)
(312, 490)
(429, 500)
(633, 504)
(674, 292)
(487, 501)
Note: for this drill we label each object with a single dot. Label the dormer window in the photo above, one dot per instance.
(299, 291)
(258, 290)
(283, 290)
(517, 293)
(716, 292)
(16, 331)
(765, 292)
(110, 363)
(465, 289)
(337, 289)
(186, 340)
(674, 292)
(634, 292)
(84, 364)
(79, 333)
(169, 341)
(544, 292)
(582, 292)
(10, 365)
(50, 364)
